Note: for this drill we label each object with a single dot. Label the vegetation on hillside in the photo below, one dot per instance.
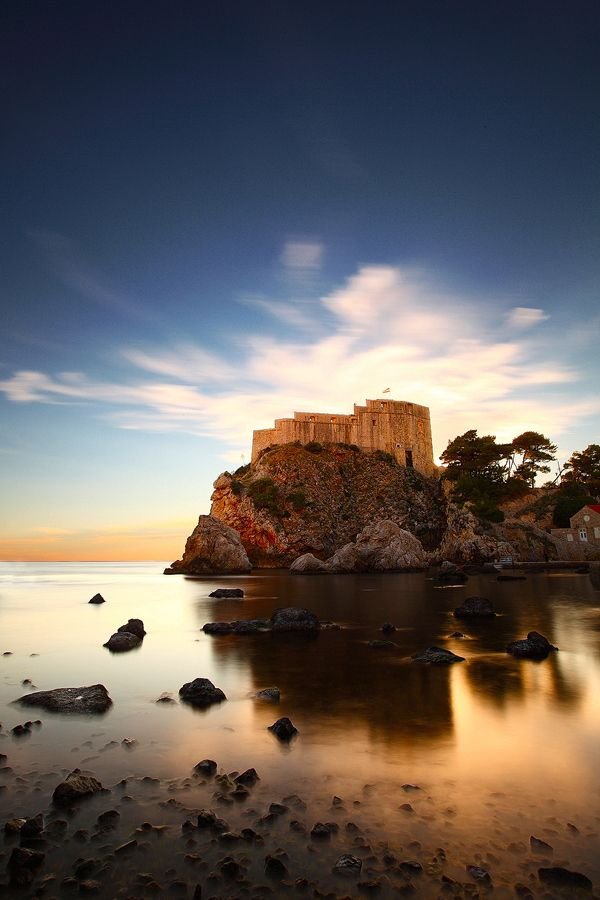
(484, 474)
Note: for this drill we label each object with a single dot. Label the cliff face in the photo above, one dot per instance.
(293, 501)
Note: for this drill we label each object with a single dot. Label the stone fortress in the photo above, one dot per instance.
(395, 426)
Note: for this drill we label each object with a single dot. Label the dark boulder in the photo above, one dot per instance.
(565, 878)
(275, 865)
(91, 699)
(534, 646)
(247, 778)
(475, 608)
(227, 593)
(32, 828)
(122, 641)
(382, 645)
(134, 626)
(284, 729)
(97, 599)
(75, 787)
(206, 767)
(347, 865)
(437, 656)
(293, 618)
(201, 692)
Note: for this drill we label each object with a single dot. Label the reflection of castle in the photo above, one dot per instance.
(400, 428)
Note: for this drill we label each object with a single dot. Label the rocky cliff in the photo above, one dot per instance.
(297, 500)
(323, 502)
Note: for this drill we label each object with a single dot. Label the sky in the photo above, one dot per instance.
(218, 213)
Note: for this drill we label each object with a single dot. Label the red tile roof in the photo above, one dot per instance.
(594, 506)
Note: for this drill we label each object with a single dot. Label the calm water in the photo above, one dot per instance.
(501, 749)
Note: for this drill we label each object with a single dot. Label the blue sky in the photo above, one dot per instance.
(215, 214)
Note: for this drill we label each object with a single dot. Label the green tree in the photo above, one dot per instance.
(535, 450)
(475, 456)
(584, 468)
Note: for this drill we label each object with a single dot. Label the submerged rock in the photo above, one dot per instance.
(240, 626)
(97, 599)
(91, 699)
(534, 646)
(475, 608)
(201, 692)
(225, 593)
(382, 645)
(283, 728)
(76, 786)
(437, 656)
(213, 548)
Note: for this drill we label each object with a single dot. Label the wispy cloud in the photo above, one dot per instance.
(386, 326)
(525, 317)
(67, 263)
(302, 254)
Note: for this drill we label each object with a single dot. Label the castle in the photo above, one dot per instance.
(395, 426)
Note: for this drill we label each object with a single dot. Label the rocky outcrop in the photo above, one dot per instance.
(293, 501)
(465, 540)
(286, 619)
(213, 548)
(91, 699)
(380, 547)
(122, 641)
(528, 543)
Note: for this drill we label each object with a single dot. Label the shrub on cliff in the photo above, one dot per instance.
(264, 493)
(313, 447)
(298, 500)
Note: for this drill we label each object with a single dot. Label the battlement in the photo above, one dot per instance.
(400, 428)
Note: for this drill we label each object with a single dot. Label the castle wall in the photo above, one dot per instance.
(397, 427)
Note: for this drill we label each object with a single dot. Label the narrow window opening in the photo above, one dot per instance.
(374, 421)
(409, 459)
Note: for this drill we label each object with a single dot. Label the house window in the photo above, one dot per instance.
(569, 537)
(409, 459)
(597, 532)
(332, 419)
(311, 418)
(582, 534)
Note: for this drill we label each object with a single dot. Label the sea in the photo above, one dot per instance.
(452, 770)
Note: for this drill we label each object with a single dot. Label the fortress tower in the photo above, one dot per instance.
(400, 428)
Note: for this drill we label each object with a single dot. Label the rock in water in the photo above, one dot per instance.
(97, 599)
(122, 641)
(437, 656)
(201, 692)
(272, 694)
(380, 547)
(308, 564)
(134, 626)
(92, 699)
(206, 767)
(284, 729)
(212, 549)
(348, 865)
(225, 593)
(534, 646)
(475, 608)
(565, 878)
(75, 787)
(292, 618)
